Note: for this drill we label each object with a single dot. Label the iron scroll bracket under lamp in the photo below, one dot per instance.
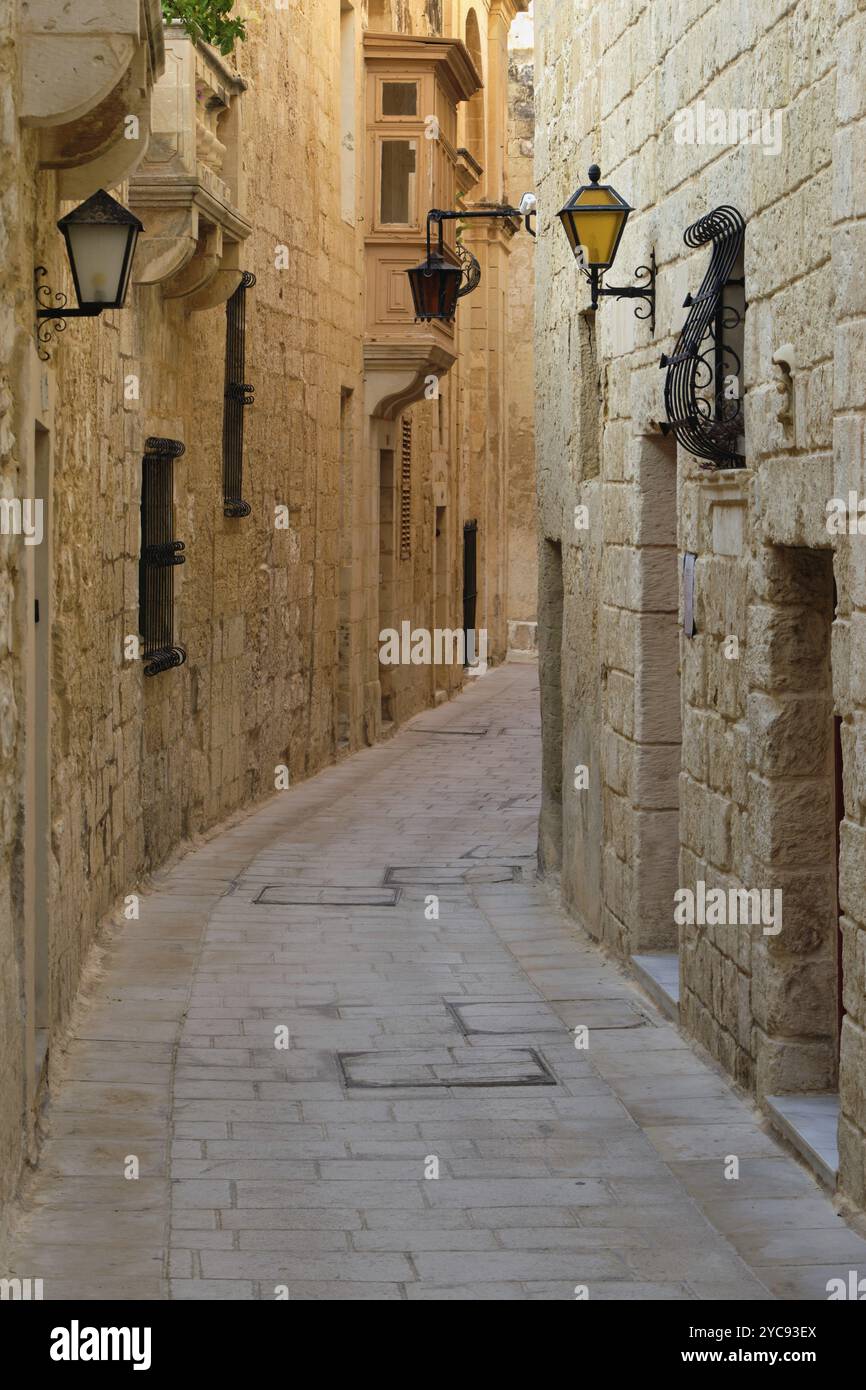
(594, 220)
(438, 282)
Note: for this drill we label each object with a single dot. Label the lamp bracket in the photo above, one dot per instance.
(471, 268)
(646, 292)
(56, 311)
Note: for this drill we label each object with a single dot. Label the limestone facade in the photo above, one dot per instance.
(259, 162)
(522, 509)
(732, 757)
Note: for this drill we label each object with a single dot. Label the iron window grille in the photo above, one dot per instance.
(406, 491)
(160, 552)
(470, 579)
(238, 394)
(705, 418)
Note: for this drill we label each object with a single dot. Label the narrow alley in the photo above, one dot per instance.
(352, 1049)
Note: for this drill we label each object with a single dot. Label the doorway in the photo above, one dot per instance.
(470, 586)
(386, 575)
(550, 625)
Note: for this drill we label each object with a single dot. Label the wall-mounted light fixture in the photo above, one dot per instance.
(100, 238)
(438, 282)
(594, 220)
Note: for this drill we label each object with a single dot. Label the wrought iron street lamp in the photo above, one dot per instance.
(100, 238)
(594, 220)
(438, 282)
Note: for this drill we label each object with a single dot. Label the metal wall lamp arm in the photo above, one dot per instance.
(646, 292)
(471, 268)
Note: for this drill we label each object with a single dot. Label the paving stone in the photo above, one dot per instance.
(279, 1174)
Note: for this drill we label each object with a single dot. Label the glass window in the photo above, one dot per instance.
(397, 191)
(399, 99)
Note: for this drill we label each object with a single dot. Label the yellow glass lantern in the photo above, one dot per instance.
(594, 219)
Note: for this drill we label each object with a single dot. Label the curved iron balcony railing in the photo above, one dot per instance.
(709, 425)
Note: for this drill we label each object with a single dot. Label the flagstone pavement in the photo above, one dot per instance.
(289, 1044)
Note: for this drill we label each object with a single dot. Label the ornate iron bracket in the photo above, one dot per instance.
(471, 269)
(51, 304)
(646, 292)
(708, 426)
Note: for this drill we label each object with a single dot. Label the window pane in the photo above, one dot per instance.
(399, 99)
(398, 181)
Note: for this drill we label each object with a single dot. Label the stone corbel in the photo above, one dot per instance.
(169, 242)
(201, 268)
(395, 374)
(222, 284)
(104, 147)
(74, 56)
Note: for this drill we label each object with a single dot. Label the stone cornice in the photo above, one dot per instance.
(450, 55)
(508, 9)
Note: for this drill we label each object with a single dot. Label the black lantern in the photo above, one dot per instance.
(594, 220)
(100, 240)
(438, 283)
(435, 286)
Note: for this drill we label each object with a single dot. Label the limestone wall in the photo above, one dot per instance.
(522, 518)
(280, 623)
(711, 758)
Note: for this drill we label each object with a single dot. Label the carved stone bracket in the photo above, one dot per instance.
(74, 56)
(88, 72)
(396, 373)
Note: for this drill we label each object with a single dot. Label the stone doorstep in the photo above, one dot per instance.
(659, 975)
(810, 1123)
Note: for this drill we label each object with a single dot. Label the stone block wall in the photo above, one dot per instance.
(715, 758)
(280, 622)
(522, 524)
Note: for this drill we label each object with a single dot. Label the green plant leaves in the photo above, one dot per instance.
(208, 20)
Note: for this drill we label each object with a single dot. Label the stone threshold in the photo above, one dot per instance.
(810, 1123)
(659, 975)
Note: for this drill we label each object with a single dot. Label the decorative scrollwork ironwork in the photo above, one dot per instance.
(166, 448)
(165, 660)
(471, 270)
(47, 328)
(703, 417)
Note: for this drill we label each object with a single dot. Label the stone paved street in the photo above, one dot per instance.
(263, 1166)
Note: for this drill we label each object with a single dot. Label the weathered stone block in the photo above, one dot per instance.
(657, 716)
(656, 776)
(784, 647)
(792, 821)
(794, 998)
(789, 735)
(852, 869)
(784, 1066)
